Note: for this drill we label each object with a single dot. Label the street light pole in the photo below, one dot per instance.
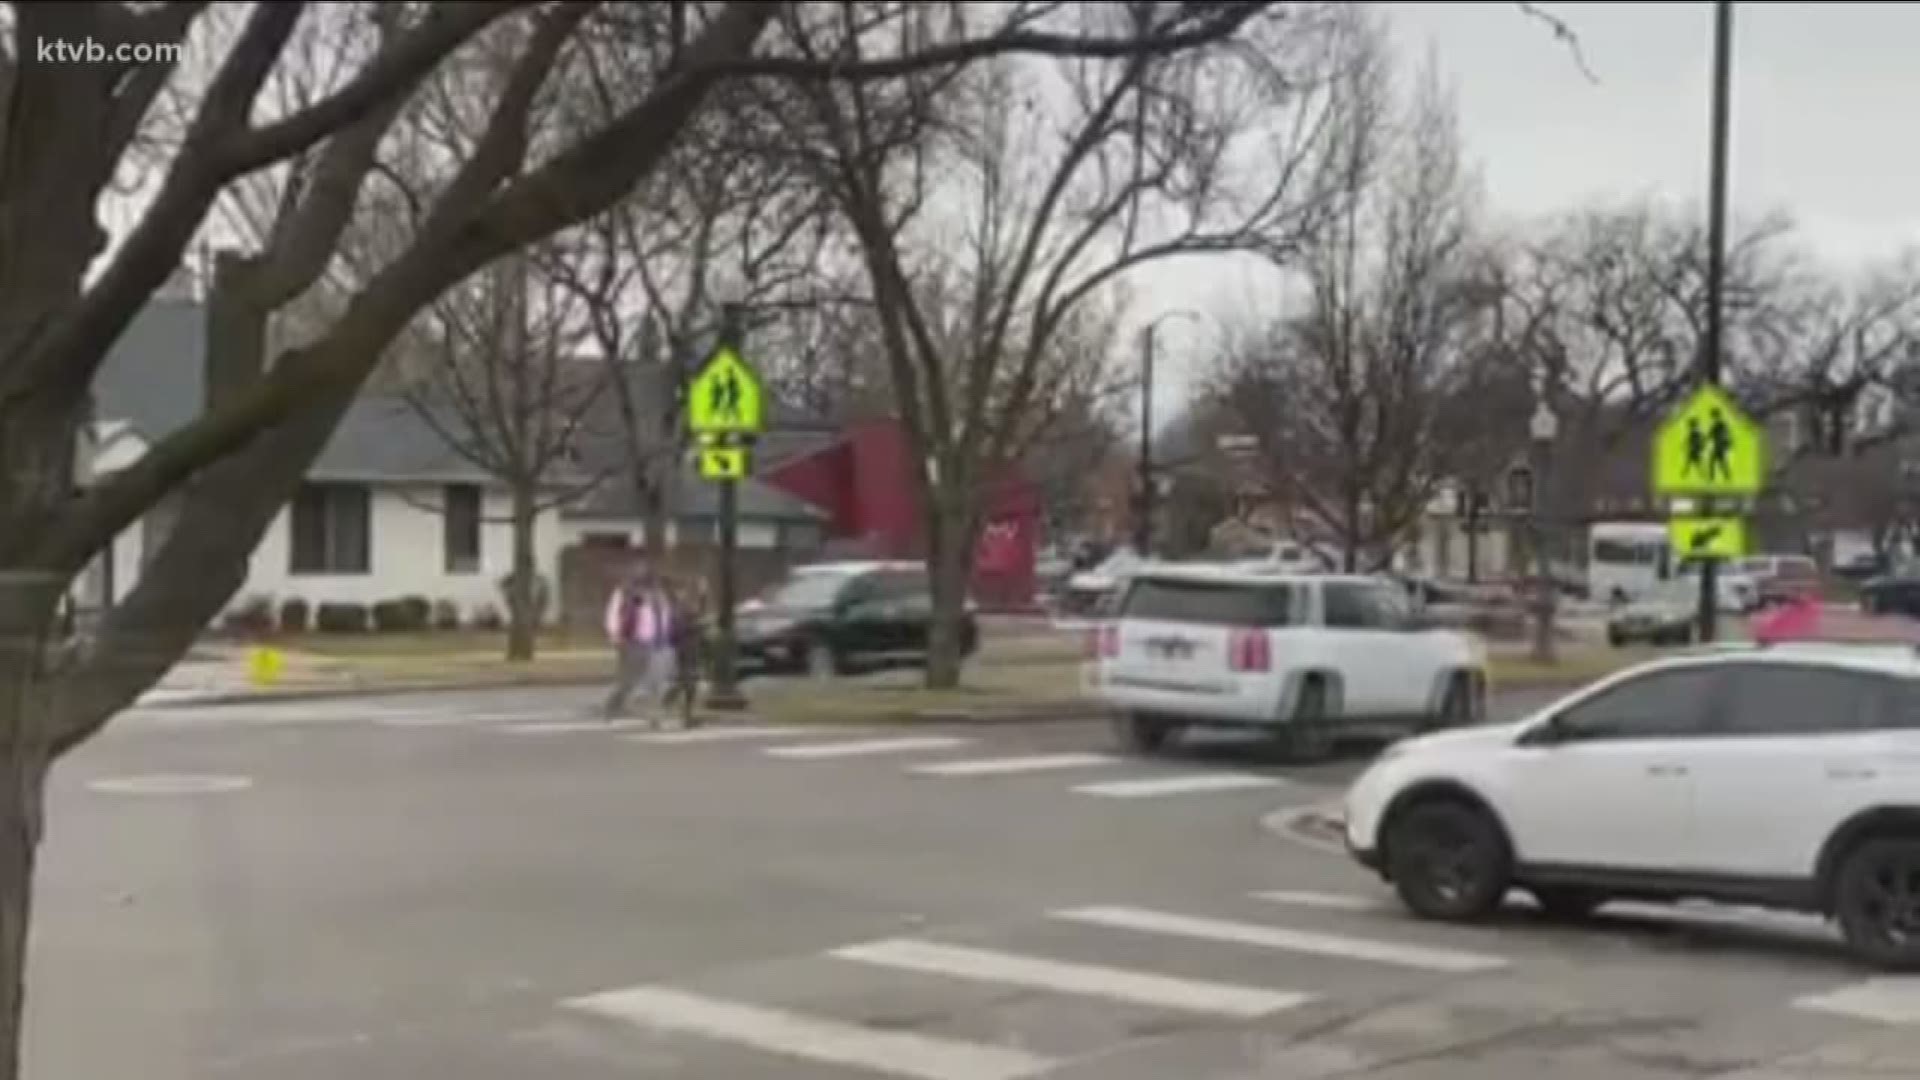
(1711, 353)
(1545, 427)
(1144, 499)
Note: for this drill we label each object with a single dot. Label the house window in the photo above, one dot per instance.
(332, 530)
(460, 528)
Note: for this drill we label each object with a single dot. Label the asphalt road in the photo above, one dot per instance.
(481, 886)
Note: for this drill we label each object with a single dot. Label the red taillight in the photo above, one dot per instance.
(1250, 650)
(1103, 642)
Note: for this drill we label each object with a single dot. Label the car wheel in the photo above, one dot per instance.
(1447, 860)
(1877, 902)
(1141, 734)
(1309, 738)
(1568, 902)
(1456, 706)
(820, 661)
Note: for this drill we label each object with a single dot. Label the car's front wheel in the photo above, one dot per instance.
(1447, 860)
(1141, 734)
(1457, 708)
(1877, 902)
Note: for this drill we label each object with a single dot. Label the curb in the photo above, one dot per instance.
(319, 693)
(1056, 712)
(1317, 828)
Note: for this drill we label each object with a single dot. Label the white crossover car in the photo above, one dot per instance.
(1784, 776)
(1306, 657)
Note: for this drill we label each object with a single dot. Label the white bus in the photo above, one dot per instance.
(1627, 560)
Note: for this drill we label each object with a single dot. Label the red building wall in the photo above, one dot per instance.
(865, 485)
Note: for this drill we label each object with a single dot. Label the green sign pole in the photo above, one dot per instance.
(724, 694)
(1710, 354)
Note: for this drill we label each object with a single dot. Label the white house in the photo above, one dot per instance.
(387, 511)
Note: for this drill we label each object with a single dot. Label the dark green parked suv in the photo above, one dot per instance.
(831, 618)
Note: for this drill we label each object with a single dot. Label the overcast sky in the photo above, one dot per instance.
(1823, 116)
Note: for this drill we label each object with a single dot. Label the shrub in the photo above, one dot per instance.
(416, 613)
(339, 618)
(253, 616)
(296, 616)
(446, 615)
(388, 616)
(487, 617)
(407, 615)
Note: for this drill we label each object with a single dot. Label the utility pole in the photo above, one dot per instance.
(1143, 517)
(1711, 353)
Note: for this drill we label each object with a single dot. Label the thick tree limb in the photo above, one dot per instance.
(219, 147)
(1220, 23)
(569, 188)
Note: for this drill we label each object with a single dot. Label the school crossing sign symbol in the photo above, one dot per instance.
(1708, 448)
(726, 397)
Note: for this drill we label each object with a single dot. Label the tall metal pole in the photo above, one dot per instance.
(1711, 353)
(1143, 520)
(725, 694)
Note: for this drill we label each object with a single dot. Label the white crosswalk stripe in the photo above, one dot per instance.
(566, 727)
(831, 1042)
(1010, 766)
(1071, 976)
(1893, 1000)
(740, 733)
(1322, 900)
(1095, 980)
(867, 748)
(1264, 936)
(1162, 786)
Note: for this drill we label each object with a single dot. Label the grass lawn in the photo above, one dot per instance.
(425, 644)
(901, 695)
(1023, 648)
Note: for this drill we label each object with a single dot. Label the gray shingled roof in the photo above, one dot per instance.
(693, 497)
(152, 380)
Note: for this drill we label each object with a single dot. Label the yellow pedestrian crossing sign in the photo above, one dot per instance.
(1707, 447)
(726, 397)
(1707, 537)
(723, 462)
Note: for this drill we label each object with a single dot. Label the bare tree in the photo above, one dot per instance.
(66, 133)
(1847, 350)
(720, 223)
(1347, 398)
(985, 217)
(506, 389)
(1606, 308)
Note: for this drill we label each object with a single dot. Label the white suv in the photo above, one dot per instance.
(1784, 777)
(1304, 656)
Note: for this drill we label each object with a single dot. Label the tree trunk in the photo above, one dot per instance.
(950, 537)
(523, 600)
(22, 784)
(28, 605)
(653, 502)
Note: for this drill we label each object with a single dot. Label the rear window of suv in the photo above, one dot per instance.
(1209, 603)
